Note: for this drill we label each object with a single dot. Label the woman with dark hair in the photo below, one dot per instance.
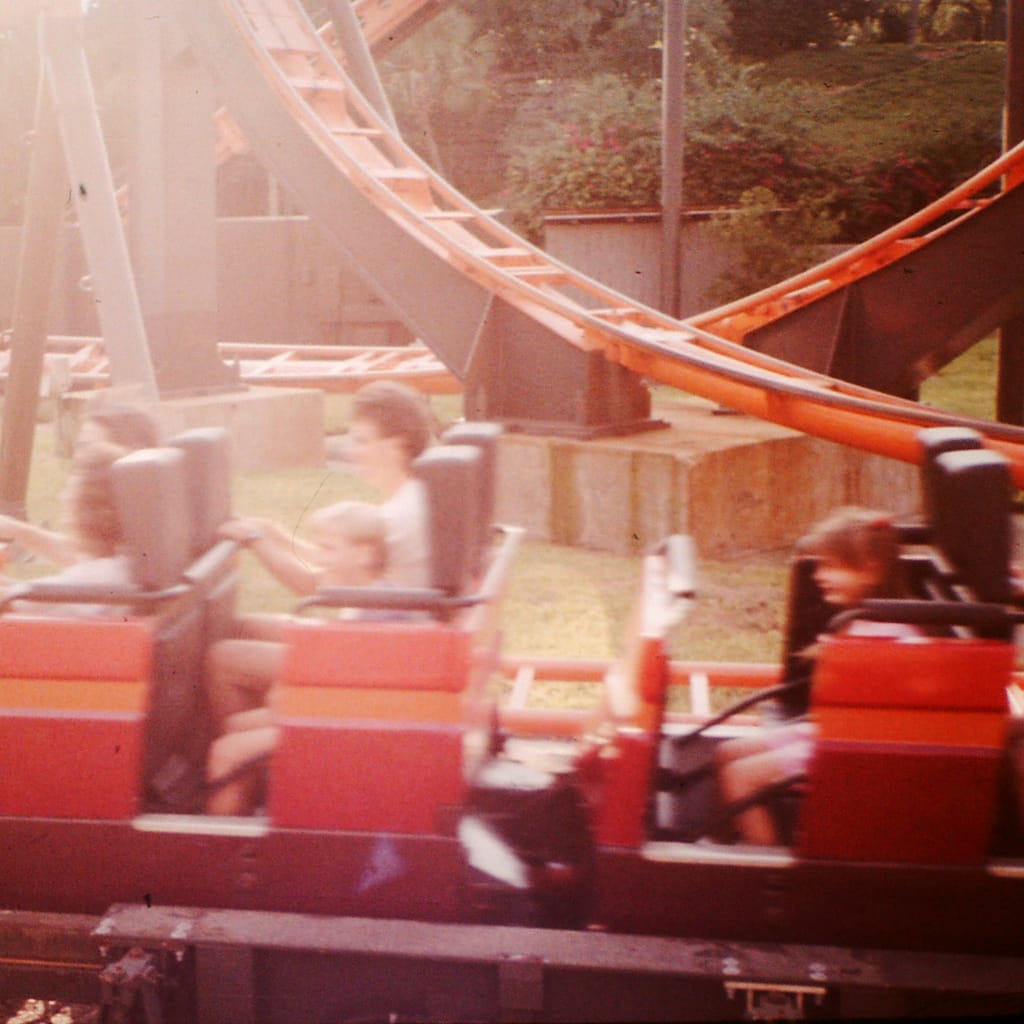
(89, 511)
(126, 426)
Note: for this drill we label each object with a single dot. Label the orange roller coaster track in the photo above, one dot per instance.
(355, 176)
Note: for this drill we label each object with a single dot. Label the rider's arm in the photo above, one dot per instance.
(54, 547)
(288, 558)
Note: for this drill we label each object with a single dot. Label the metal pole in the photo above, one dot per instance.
(673, 104)
(1010, 388)
(1014, 127)
(40, 237)
(92, 190)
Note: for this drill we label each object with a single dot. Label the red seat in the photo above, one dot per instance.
(371, 719)
(72, 716)
(907, 759)
(376, 717)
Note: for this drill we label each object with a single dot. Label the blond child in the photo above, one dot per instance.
(348, 543)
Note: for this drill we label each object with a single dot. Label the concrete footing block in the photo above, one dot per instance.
(732, 482)
(270, 428)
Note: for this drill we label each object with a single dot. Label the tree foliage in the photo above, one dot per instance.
(760, 29)
(772, 242)
(551, 37)
(595, 146)
(442, 71)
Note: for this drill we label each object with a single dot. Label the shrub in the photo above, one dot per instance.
(760, 30)
(775, 243)
(939, 20)
(876, 195)
(536, 35)
(440, 73)
(598, 147)
(743, 135)
(838, 129)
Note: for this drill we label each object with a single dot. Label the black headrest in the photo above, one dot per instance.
(484, 436)
(451, 475)
(152, 502)
(935, 441)
(971, 522)
(208, 477)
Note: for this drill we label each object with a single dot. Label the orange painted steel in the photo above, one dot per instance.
(736, 319)
(739, 674)
(571, 722)
(385, 23)
(323, 105)
(80, 363)
(340, 368)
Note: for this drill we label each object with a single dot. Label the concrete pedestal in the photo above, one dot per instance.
(732, 482)
(270, 428)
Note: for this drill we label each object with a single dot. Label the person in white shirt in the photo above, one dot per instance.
(391, 425)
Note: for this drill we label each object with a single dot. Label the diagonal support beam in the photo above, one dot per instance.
(66, 119)
(92, 191)
(40, 239)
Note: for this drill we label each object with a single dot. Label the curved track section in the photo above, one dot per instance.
(446, 266)
(890, 312)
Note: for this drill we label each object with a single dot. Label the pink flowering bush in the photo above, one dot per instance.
(600, 150)
(851, 150)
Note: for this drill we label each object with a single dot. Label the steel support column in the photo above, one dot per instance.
(1010, 387)
(173, 207)
(40, 238)
(92, 190)
(673, 102)
(358, 59)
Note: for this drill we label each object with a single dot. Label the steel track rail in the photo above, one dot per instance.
(735, 320)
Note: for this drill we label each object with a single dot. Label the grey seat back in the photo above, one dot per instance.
(152, 501)
(451, 476)
(970, 521)
(483, 436)
(936, 441)
(208, 482)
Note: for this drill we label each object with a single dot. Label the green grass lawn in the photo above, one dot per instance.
(562, 602)
(968, 384)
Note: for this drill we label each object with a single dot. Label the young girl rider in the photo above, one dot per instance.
(857, 558)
